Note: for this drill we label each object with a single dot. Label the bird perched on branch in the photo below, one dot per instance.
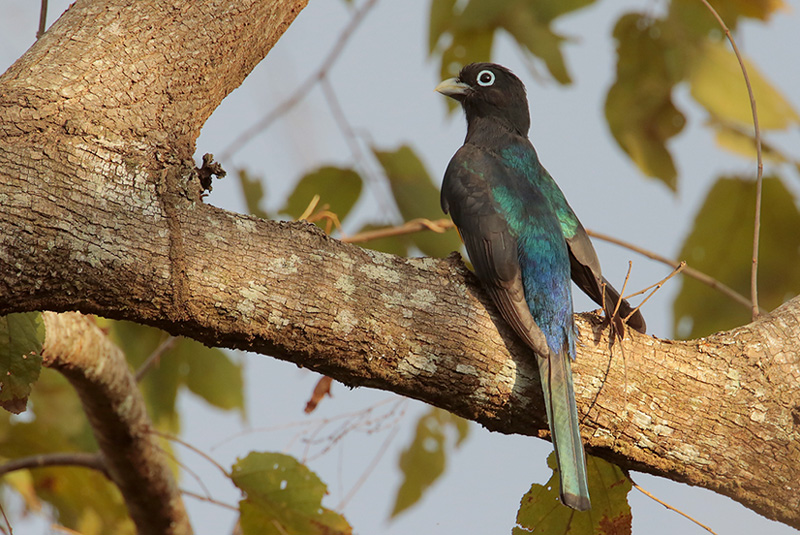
(525, 243)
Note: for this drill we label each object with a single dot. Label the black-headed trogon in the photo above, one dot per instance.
(525, 244)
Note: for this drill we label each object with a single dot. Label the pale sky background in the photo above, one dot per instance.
(385, 82)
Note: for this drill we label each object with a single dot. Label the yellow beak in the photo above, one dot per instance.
(452, 87)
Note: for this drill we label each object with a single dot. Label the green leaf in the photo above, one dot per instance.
(541, 510)
(337, 187)
(283, 497)
(207, 372)
(253, 191)
(718, 85)
(85, 500)
(639, 107)
(82, 500)
(472, 31)
(424, 460)
(440, 16)
(212, 375)
(720, 244)
(21, 339)
(466, 46)
(397, 245)
(417, 197)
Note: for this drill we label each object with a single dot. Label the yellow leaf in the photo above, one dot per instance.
(743, 144)
(718, 85)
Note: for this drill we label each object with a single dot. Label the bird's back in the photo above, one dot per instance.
(505, 182)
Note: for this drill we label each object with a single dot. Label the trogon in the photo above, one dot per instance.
(525, 243)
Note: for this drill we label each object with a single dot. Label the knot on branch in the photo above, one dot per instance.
(207, 170)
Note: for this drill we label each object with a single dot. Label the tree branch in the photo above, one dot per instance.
(81, 351)
(73, 458)
(101, 213)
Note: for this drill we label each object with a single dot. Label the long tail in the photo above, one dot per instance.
(562, 415)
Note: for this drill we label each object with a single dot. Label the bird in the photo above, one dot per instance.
(525, 243)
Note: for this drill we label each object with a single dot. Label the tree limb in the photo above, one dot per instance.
(81, 351)
(101, 212)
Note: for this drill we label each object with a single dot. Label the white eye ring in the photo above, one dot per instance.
(485, 78)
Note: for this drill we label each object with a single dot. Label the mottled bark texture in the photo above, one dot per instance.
(98, 122)
(100, 212)
(132, 457)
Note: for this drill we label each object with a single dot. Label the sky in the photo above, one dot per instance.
(384, 81)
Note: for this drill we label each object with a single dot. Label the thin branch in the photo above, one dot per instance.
(759, 176)
(77, 348)
(209, 500)
(185, 444)
(369, 469)
(656, 287)
(622, 292)
(441, 225)
(409, 227)
(668, 506)
(306, 87)
(5, 518)
(688, 271)
(350, 137)
(659, 284)
(42, 20)
(87, 460)
(162, 348)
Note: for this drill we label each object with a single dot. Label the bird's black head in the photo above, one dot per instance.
(490, 90)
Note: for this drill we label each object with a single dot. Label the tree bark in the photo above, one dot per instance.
(131, 455)
(100, 211)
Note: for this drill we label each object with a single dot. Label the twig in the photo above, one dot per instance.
(285, 106)
(350, 137)
(688, 271)
(310, 208)
(42, 19)
(305, 423)
(185, 444)
(440, 225)
(622, 292)
(8, 524)
(759, 176)
(87, 460)
(668, 506)
(410, 227)
(656, 287)
(185, 468)
(162, 348)
(369, 469)
(209, 500)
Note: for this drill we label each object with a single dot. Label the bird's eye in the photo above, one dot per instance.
(485, 78)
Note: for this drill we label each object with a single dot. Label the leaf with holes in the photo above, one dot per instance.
(541, 510)
(283, 497)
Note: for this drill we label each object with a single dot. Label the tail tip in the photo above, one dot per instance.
(575, 501)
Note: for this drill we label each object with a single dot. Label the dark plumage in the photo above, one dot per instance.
(525, 243)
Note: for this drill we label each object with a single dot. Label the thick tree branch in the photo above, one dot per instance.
(100, 212)
(81, 351)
